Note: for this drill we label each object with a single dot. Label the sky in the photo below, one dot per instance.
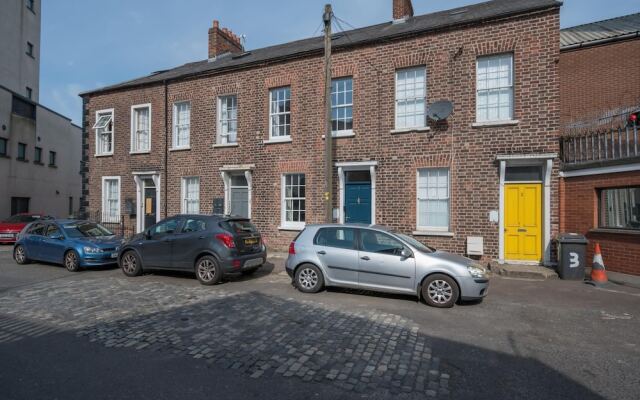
(87, 44)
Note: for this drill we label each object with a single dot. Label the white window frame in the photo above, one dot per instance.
(106, 216)
(220, 136)
(98, 153)
(428, 228)
(283, 138)
(174, 140)
(284, 224)
(135, 150)
(510, 86)
(344, 132)
(184, 199)
(422, 68)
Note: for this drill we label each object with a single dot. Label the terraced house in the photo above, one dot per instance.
(242, 132)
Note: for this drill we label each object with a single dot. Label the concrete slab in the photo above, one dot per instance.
(523, 271)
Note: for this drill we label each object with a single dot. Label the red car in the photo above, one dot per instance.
(10, 227)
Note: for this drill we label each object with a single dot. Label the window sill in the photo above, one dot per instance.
(345, 134)
(53, 166)
(490, 124)
(180, 148)
(616, 231)
(434, 233)
(4, 156)
(223, 145)
(277, 141)
(291, 228)
(104, 155)
(140, 152)
(410, 130)
(22, 160)
(38, 163)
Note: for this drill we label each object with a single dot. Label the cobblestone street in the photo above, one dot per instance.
(261, 330)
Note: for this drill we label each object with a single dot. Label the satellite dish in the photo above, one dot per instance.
(440, 110)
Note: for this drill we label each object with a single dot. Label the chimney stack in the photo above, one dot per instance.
(402, 10)
(222, 40)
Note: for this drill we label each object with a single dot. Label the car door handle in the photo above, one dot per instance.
(322, 252)
(365, 258)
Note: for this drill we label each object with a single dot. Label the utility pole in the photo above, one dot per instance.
(328, 139)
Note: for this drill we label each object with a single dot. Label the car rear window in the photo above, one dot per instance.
(342, 238)
(239, 226)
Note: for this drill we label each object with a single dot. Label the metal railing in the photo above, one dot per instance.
(115, 223)
(604, 145)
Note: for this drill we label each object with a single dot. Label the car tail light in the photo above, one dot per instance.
(227, 240)
(292, 248)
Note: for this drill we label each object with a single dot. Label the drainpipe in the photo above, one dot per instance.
(166, 147)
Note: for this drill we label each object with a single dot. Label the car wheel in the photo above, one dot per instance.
(130, 264)
(71, 261)
(309, 278)
(208, 271)
(20, 255)
(440, 291)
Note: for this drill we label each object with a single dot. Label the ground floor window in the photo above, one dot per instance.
(191, 195)
(111, 199)
(620, 208)
(19, 205)
(293, 201)
(433, 199)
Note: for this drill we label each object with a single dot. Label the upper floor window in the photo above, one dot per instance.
(494, 87)
(191, 195)
(22, 152)
(293, 201)
(3, 147)
(280, 113)
(37, 155)
(104, 132)
(31, 5)
(30, 49)
(181, 125)
(52, 158)
(141, 128)
(342, 106)
(411, 98)
(433, 199)
(227, 119)
(620, 208)
(29, 92)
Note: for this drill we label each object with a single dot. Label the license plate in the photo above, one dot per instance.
(6, 235)
(114, 255)
(253, 263)
(251, 241)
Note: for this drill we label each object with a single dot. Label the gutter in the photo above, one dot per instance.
(583, 45)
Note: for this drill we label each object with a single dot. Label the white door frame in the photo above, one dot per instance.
(226, 172)
(139, 178)
(546, 162)
(356, 166)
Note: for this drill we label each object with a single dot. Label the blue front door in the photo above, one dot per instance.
(357, 203)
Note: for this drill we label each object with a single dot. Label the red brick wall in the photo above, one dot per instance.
(620, 251)
(599, 78)
(469, 152)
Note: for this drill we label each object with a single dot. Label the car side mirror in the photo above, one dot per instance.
(147, 235)
(406, 253)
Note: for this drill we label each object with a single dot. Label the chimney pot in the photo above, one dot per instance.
(402, 9)
(222, 40)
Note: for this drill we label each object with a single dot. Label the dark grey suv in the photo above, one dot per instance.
(209, 245)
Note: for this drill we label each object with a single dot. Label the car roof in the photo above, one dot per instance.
(354, 225)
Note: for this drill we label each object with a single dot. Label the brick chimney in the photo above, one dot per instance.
(222, 40)
(402, 9)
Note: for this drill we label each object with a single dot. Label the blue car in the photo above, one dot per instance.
(73, 243)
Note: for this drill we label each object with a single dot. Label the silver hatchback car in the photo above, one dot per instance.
(376, 258)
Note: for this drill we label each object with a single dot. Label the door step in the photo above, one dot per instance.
(523, 271)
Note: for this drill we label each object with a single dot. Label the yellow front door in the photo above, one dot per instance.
(523, 221)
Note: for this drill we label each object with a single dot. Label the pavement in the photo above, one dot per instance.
(98, 334)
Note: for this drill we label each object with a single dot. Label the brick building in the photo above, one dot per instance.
(600, 97)
(242, 132)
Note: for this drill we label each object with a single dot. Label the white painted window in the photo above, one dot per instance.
(411, 98)
(342, 106)
(111, 199)
(293, 201)
(433, 199)
(227, 120)
(494, 101)
(280, 113)
(141, 128)
(104, 132)
(191, 195)
(620, 208)
(181, 125)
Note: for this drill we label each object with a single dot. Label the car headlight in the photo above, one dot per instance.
(476, 271)
(92, 250)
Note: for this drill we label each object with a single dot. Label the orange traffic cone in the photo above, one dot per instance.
(598, 272)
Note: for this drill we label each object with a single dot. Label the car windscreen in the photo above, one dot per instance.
(86, 229)
(239, 226)
(20, 219)
(413, 242)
